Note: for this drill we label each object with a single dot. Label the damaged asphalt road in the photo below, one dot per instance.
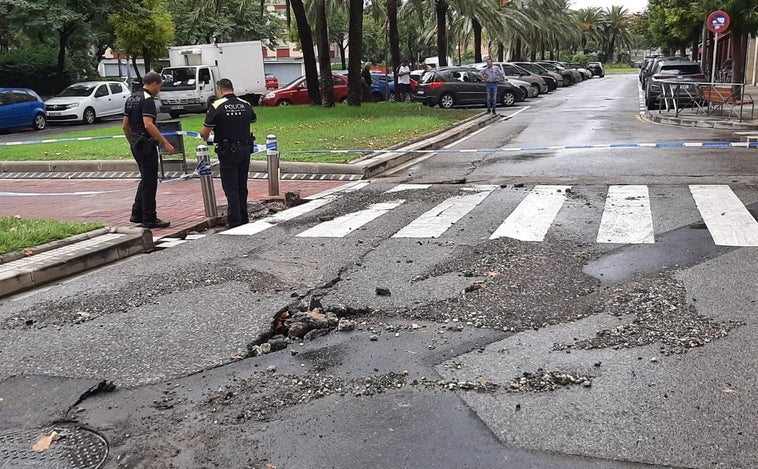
(284, 351)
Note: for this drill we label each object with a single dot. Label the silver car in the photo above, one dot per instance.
(535, 83)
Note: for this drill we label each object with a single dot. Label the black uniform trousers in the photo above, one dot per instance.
(145, 152)
(234, 165)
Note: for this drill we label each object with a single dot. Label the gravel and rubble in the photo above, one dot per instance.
(89, 306)
(263, 394)
(660, 313)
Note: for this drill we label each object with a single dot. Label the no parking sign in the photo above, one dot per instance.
(718, 22)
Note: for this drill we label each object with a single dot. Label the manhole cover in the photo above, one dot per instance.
(75, 448)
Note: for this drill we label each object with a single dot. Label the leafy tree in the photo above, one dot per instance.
(233, 22)
(147, 31)
(674, 24)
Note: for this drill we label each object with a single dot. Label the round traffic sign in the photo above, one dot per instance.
(718, 22)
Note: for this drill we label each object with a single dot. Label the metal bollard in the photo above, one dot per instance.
(206, 181)
(272, 160)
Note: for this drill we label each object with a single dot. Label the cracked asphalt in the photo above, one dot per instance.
(458, 351)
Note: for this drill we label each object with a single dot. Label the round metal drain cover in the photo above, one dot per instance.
(75, 447)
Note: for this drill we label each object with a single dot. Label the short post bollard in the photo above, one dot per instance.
(272, 167)
(205, 171)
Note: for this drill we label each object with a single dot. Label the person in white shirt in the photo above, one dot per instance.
(493, 76)
(403, 82)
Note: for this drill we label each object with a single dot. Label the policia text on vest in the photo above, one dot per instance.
(229, 119)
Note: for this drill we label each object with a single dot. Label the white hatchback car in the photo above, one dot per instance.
(88, 101)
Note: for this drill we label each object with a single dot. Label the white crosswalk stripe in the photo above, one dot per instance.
(627, 215)
(346, 224)
(436, 221)
(531, 220)
(627, 218)
(727, 219)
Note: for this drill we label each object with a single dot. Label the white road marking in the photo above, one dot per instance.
(346, 224)
(408, 187)
(436, 221)
(531, 220)
(627, 218)
(726, 217)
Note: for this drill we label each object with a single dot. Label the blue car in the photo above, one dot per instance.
(382, 87)
(21, 107)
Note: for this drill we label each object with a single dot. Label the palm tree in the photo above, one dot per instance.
(592, 20)
(615, 31)
(355, 38)
(324, 58)
(309, 57)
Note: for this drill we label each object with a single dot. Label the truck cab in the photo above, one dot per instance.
(188, 89)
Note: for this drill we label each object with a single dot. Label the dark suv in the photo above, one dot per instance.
(683, 74)
(454, 86)
(596, 68)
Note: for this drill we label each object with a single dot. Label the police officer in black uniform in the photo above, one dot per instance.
(143, 135)
(229, 118)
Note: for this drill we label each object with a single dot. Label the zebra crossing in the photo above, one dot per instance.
(627, 214)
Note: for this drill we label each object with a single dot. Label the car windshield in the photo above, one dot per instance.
(77, 90)
(179, 78)
(681, 69)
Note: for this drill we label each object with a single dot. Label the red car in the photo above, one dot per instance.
(297, 92)
(272, 82)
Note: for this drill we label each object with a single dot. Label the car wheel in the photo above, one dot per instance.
(174, 115)
(89, 117)
(651, 104)
(392, 98)
(447, 100)
(283, 102)
(40, 121)
(508, 98)
(536, 89)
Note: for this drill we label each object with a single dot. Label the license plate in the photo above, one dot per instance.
(177, 108)
(419, 92)
(53, 114)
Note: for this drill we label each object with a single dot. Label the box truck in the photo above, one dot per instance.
(189, 82)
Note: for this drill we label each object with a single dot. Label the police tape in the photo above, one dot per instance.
(256, 147)
(547, 148)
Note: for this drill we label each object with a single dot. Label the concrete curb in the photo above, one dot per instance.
(659, 118)
(71, 258)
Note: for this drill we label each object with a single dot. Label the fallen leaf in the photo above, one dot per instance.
(44, 442)
(492, 274)
(28, 251)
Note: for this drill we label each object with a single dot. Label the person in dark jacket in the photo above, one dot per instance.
(229, 117)
(144, 136)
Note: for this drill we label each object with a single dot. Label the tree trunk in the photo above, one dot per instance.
(136, 69)
(394, 35)
(343, 52)
(477, 27)
(148, 60)
(324, 60)
(441, 9)
(64, 33)
(517, 50)
(309, 56)
(500, 51)
(355, 39)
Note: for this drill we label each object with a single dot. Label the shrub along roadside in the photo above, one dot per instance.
(17, 233)
(371, 126)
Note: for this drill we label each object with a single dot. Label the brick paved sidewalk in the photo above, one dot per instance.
(109, 200)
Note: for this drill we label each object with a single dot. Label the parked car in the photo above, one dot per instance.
(272, 82)
(453, 86)
(538, 69)
(532, 84)
(683, 71)
(296, 92)
(568, 77)
(88, 101)
(586, 74)
(596, 68)
(21, 107)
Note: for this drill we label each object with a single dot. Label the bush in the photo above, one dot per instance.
(35, 67)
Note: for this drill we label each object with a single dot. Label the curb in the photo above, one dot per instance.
(72, 257)
(700, 123)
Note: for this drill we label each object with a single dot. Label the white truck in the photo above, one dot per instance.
(189, 82)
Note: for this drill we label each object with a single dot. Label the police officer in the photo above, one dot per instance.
(143, 136)
(229, 118)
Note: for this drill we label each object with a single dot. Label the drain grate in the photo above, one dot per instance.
(75, 448)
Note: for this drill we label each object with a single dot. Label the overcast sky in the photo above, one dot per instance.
(633, 6)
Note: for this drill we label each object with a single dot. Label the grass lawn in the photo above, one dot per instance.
(619, 70)
(18, 233)
(370, 126)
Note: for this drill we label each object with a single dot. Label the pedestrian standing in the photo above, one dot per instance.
(143, 136)
(229, 117)
(366, 82)
(403, 81)
(492, 76)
